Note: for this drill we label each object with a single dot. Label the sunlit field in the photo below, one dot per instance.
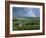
(26, 23)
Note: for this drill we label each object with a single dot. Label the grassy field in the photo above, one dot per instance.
(26, 23)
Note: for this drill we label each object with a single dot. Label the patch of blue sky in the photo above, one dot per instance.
(26, 12)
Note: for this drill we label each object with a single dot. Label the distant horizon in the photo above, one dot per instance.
(26, 17)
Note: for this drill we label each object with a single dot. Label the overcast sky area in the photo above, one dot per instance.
(26, 12)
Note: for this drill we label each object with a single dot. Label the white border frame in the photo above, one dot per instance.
(25, 31)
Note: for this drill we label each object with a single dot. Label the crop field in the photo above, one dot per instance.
(26, 23)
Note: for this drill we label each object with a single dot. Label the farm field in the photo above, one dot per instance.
(26, 23)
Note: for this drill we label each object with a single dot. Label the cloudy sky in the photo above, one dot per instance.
(26, 12)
